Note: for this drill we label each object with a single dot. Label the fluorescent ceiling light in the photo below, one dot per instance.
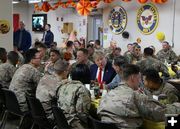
(15, 2)
(37, 1)
(33, 1)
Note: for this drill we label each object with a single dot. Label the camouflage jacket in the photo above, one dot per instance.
(7, 71)
(152, 63)
(75, 100)
(127, 107)
(131, 58)
(46, 90)
(169, 56)
(24, 81)
(89, 63)
(167, 89)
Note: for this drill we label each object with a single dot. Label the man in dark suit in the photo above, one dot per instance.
(22, 38)
(48, 36)
(102, 70)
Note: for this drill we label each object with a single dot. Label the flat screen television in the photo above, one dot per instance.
(38, 22)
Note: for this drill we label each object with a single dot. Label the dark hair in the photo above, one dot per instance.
(148, 51)
(49, 25)
(129, 70)
(3, 54)
(90, 45)
(82, 73)
(37, 44)
(42, 45)
(166, 42)
(13, 57)
(84, 50)
(97, 42)
(69, 43)
(55, 51)
(30, 54)
(117, 48)
(129, 44)
(120, 61)
(152, 75)
(54, 43)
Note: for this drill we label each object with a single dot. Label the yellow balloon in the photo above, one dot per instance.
(160, 36)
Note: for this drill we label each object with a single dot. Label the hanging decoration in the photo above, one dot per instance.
(84, 7)
(125, 35)
(4, 26)
(138, 40)
(142, 1)
(160, 36)
(159, 1)
(147, 18)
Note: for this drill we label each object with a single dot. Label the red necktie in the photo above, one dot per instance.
(100, 78)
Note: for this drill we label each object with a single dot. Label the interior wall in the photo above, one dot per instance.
(165, 25)
(6, 40)
(56, 18)
(70, 15)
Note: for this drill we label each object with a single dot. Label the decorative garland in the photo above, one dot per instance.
(83, 7)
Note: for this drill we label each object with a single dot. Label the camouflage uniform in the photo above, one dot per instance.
(89, 63)
(46, 90)
(127, 107)
(108, 50)
(91, 58)
(99, 49)
(110, 57)
(169, 56)
(7, 71)
(75, 100)
(167, 89)
(152, 63)
(24, 81)
(132, 59)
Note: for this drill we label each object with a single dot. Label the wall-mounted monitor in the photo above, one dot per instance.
(38, 22)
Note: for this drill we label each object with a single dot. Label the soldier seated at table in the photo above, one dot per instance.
(149, 62)
(73, 97)
(127, 107)
(46, 88)
(157, 88)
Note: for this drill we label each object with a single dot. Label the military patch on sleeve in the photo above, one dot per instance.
(147, 18)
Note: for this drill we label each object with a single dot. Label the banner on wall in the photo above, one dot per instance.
(147, 19)
(117, 19)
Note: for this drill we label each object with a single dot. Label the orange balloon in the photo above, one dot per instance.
(142, 1)
(83, 7)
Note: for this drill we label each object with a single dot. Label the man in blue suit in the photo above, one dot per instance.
(102, 70)
(22, 38)
(48, 36)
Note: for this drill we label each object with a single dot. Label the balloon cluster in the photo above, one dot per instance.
(154, 1)
(83, 7)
